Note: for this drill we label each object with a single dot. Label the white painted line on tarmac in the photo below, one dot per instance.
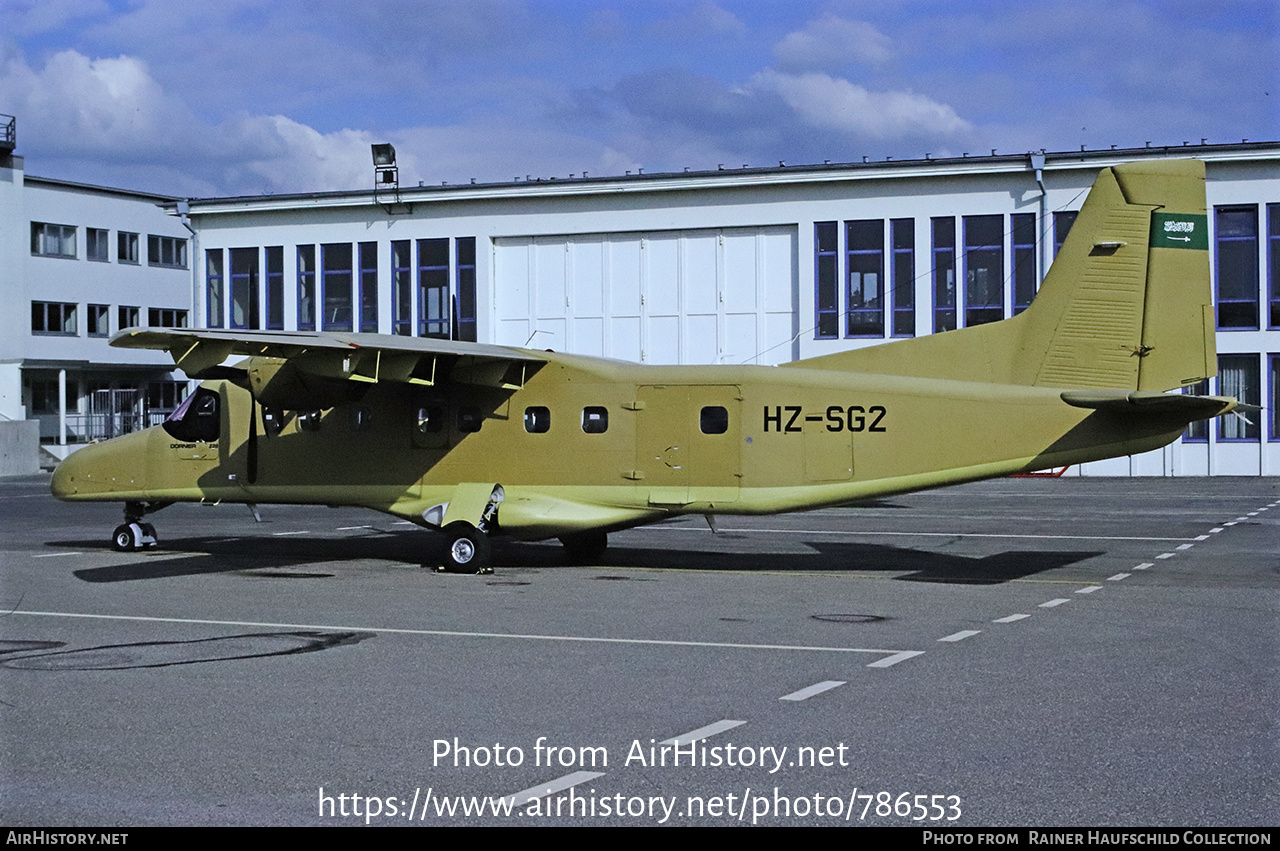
(1184, 546)
(404, 523)
(1202, 537)
(890, 661)
(282, 534)
(1143, 566)
(56, 555)
(1166, 555)
(457, 634)
(1215, 530)
(702, 733)
(961, 635)
(810, 691)
(881, 533)
(1252, 514)
(1052, 603)
(533, 793)
(1229, 523)
(1118, 577)
(350, 528)
(1010, 618)
(1089, 589)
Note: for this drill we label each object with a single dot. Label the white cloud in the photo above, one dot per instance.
(831, 103)
(830, 43)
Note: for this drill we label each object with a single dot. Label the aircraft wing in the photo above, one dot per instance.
(336, 357)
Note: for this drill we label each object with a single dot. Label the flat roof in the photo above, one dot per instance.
(734, 177)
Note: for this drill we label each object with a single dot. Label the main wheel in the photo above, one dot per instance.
(467, 549)
(124, 539)
(585, 546)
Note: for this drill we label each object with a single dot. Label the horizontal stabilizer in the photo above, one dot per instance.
(1151, 402)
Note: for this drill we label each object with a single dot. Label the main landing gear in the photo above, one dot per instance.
(467, 547)
(133, 534)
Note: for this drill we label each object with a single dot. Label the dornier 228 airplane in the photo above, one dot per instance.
(481, 440)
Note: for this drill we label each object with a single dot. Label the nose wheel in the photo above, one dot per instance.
(133, 534)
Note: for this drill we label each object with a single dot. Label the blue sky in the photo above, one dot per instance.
(218, 97)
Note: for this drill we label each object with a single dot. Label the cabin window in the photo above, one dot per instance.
(430, 419)
(537, 420)
(272, 420)
(196, 419)
(714, 420)
(595, 419)
(469, 419)
(359, 418)
(309, 421)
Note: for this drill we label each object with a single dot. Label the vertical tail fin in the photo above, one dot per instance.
(1126, 303)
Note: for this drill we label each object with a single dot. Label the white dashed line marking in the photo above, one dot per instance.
(702, 732)
(890, 661)
(961, 635)
(56, 555)
(1252, 514)
(1166, 555)
(1010, 618)
(1184, 546)
(1089, 589)
(282, 534)
(551, 787)
(1229, 523)
(1052, 603)
(1143, 566)
(351, 528)
(1215, 530)
(1118, 577)
(816, 688)
(1202, 537)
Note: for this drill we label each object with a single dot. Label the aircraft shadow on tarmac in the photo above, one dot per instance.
(300, 557)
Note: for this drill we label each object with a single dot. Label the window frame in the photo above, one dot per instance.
(97, 245)
(175, 247)
(1249, 254)
(857, 256)
(127, 248)
(66, 315)
(62, 238)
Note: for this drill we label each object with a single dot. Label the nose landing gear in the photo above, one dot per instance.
(133, 534)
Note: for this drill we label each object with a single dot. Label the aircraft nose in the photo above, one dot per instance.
(67, 476)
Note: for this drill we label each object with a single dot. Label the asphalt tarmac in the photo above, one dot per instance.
(1023, 652)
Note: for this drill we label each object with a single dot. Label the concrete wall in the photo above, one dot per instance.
(19, 447)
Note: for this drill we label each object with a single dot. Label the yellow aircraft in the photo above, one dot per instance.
(480, 440)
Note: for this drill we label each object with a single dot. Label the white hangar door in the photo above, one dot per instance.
(667, 297)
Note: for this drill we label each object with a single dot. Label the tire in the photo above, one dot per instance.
(124, 539)
(149, 531)
(467, 549)
(582, 547)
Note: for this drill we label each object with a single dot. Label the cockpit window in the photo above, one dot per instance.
(196, 419)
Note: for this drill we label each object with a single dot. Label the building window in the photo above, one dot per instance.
(97, 244)
(1273, 265)
(44, 396)
(336, 274)
(826, 283)
(126, 247)
(52, 317)
(1198, 431)
(1062, 222)
(275, 287)
(369, 287)
(1237, 266)
(165, 395)
(595, 419)
(99, 320)
(465, 307)
(433, 288)
(944, 273)
(1238, 377)
(166, 317)
(213, 287)
(983, 269)
(1024, 260)
(306, 288)
(401, 288)
(53, 240)
(902, 239)
(864, 297)
(1273, 410)
(537, 419)
(244, 288)
(127, 317)
(168, 251)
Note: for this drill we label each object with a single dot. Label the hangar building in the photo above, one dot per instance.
(735, 265)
